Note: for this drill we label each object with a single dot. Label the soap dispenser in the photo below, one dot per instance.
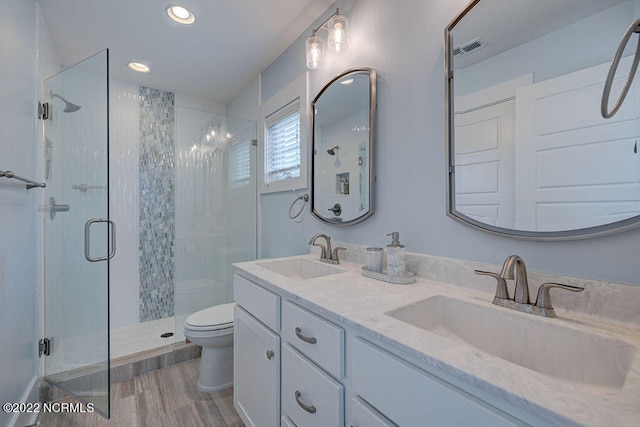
(395, 256)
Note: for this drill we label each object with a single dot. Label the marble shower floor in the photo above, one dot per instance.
(166, 398)
(145, 336)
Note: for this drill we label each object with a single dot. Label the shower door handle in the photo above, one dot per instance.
(87, 239)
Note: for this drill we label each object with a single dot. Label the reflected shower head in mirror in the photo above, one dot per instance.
(69, 107)
(332, 151)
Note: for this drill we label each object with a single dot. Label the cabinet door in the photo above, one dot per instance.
(411, 397)
(363, 415)
(256, 371)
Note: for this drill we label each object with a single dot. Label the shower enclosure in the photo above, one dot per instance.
(179, 186)
(183, 196)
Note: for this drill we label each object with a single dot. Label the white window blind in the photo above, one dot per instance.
(282, 153)
(240, 163)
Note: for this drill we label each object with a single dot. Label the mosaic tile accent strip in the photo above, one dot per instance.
(157, 203)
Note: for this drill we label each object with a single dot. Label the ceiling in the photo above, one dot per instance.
(215, 58)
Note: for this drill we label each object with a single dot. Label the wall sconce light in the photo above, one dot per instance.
(338, 39)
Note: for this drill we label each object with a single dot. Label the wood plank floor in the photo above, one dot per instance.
(167, 398)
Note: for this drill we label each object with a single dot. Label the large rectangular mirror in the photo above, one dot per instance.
(529, 153)
(343, 129)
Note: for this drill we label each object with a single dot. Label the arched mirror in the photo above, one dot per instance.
(529, 154)
(343, 135)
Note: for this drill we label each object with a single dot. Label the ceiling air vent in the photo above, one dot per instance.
(469, 47)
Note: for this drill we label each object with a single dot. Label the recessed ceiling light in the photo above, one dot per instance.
(346, 82)
(139, 67)
(181, 14)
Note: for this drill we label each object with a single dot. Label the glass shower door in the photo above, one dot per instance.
(78, 237)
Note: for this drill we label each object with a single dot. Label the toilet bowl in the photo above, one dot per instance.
(212, 328)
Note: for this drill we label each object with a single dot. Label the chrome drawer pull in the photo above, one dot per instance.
(309, 408)
(270, 354)
(310, 340)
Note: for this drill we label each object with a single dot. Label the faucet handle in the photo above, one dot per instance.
(334, 256)
(543, 299)
(502, 292)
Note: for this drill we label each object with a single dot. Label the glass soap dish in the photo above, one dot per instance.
(408, 277)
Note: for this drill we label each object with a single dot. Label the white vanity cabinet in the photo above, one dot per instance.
(293, 382)
(409, 396)
(293, 367)
(256, 354)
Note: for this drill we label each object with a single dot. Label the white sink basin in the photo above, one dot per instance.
(542, 345)
(300, 269)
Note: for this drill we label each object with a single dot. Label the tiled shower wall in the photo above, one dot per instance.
(157, 203)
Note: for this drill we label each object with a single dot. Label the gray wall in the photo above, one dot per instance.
(404, 42)
(18, 207)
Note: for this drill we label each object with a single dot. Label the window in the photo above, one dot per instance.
(285, 138)
(240, 163)
(282, 136)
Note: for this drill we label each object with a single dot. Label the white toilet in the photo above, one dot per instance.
(212, 328)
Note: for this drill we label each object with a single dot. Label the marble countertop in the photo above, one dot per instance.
(361, 303)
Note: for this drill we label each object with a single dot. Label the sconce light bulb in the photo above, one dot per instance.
(338, 37)
(314, 48)
(338, 33)
(315, 56)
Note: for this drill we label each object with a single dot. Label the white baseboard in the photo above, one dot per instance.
(31, 395)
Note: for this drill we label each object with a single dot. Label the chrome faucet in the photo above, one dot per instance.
(328, 256)
(327, 240)
(514, 268)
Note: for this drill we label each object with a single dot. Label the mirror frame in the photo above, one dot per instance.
(575, 234)
(373, 104)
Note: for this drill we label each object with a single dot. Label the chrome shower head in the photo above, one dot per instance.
(332, 151)
(69, 107)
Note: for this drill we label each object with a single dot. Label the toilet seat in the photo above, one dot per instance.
(216, 318)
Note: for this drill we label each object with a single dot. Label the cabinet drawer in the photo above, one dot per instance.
(363, 415)
(310, 397)
(316, 338)
(408, 396)
(264, 305)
